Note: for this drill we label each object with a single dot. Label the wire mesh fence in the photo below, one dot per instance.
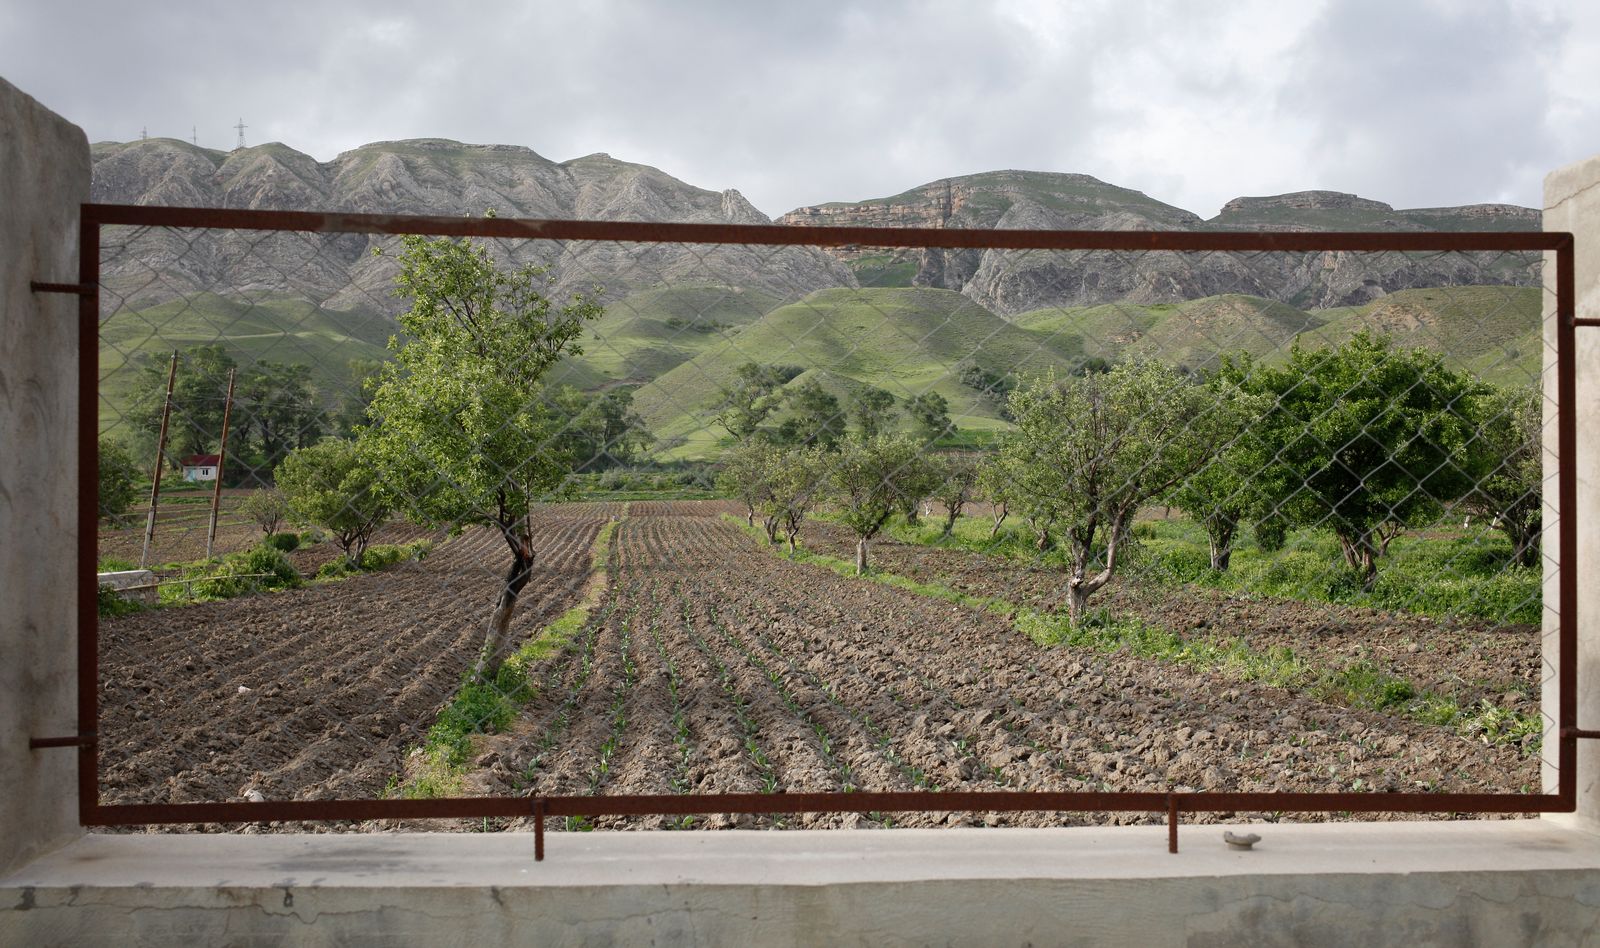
(680, 526)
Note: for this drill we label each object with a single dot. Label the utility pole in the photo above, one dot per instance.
(194, 135)
(155, 476)
(240, 128)
(222, 460)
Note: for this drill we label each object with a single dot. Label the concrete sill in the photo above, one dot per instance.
(1522, 881)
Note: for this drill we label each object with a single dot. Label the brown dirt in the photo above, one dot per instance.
(1464, 659)
(317, 692)
(789, 678)
(712, 665)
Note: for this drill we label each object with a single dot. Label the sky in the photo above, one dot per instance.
(1419, 103)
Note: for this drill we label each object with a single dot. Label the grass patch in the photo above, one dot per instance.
(480, 708)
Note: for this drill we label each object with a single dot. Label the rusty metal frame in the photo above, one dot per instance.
(91, 812)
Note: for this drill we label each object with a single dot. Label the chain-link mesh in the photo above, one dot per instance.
(535, 518)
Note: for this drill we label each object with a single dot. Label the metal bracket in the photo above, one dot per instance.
(80, 289)
(81, 740)
(1580, 733)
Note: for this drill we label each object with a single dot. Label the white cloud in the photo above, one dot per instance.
(1415, 104)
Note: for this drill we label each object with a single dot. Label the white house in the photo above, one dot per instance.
(201, 467)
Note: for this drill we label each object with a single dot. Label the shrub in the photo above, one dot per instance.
(240, 573)
(286, 542)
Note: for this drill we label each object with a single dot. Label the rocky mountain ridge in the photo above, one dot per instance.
(440, 177)
(1011, 282)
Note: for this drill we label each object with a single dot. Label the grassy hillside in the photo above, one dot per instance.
(276, 330)
(907, 341)
(652, 332)
(682, 344)
(1491, 331)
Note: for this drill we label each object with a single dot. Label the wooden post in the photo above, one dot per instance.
(155, 476)
(222, 460)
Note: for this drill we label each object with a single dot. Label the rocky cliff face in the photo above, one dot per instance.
(432, 177)
(1011, 282)
(438, 177)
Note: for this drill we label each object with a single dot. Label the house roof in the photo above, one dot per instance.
(202, 460)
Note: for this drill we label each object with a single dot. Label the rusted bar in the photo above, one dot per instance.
(77, 740)
(1172, 823)
(1567, 533)
(40, 286)
(88, 517)
(888, 802)
(785, 235)
(538, 829)
(1580, 734)
(1581, 321)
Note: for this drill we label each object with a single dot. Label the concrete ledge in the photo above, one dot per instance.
(1501, 883)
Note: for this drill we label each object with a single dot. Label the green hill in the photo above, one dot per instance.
(906, 341)
(654, 331)
(269, 329)
(1490, 331)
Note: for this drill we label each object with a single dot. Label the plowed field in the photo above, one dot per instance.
(316, 692)
(712, 665)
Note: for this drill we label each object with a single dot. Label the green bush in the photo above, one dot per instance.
(286, 542)
(109, 603)
(115, 564)
(378, 557)
(240, 573)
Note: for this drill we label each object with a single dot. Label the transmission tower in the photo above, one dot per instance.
(240, 128)
(194, 135)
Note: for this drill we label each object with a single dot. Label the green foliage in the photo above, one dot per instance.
(237, 574)
(1223, 492)
(276, 412)
(110, 603)
(930, 415)
(335, 486)
(870, 408)
(116, 477)
(275, 407)
(1367, 439)
(267, 507)
(817, 420)
(867, 477)
(1092, 449)
(1508, 448)
(796, 480)
(378, 557)
(287, 541)
(461, 431)
(756, 392)
(599, 432)
(744, 475)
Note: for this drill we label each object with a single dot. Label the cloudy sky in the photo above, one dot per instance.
(1413, 102)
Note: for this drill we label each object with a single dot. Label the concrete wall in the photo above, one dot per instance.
(1572, 204)
(44, 176)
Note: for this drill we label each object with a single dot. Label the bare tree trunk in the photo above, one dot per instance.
(517, 576)
(1524, 538)
(950, 516)
(792, 535)
(772, 529)
(1077, 601)
(1221, 531)
(861, 556)
(999, 515)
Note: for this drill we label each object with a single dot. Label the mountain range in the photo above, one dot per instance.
(680, 318)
